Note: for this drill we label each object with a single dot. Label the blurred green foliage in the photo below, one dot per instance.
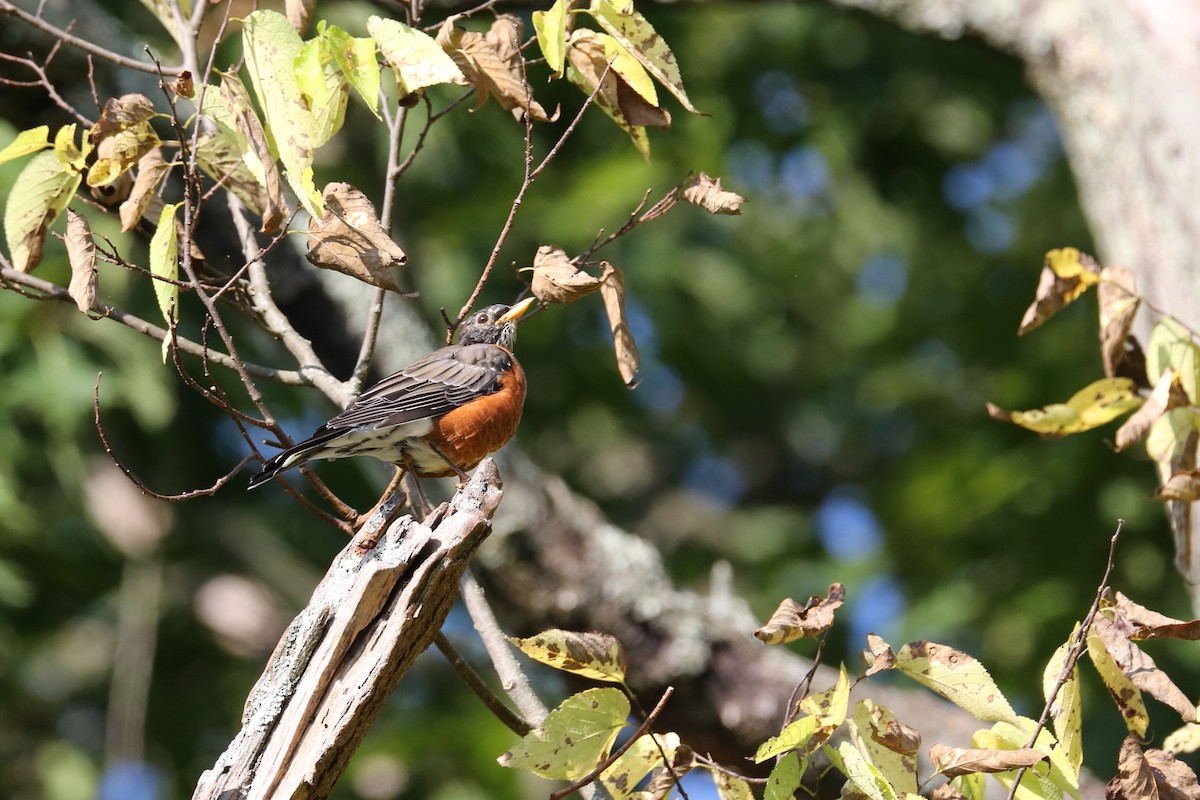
(812, 405)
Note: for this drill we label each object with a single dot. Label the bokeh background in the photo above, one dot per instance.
(811, 409)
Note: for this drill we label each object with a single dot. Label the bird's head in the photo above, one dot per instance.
(494, 325)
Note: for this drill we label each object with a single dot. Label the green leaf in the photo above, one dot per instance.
(27, 142)
(271, 49)
(1066, 711)
(730, 787)
(956, 676)
(1061, 777)
(785, 778)
(40, 193)
(638, 36)
(1172, 347)
(796, 736)
(551, 29)
(574, 738)
(164, 263)
(416, 58)
(592, 655)
(326, 88)
(644, 755)
(355, 57)
(861, 773)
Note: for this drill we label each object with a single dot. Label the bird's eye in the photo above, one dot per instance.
(482, 318)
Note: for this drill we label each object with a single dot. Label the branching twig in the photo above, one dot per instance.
(43, 81)
(804, 685)
(1074, 652)
(615, 754)
(8, 9)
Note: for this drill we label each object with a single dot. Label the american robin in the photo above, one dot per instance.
(440, 415)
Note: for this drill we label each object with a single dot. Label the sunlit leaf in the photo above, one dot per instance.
(244, 137)
(800, 735)
(1126, 696)
(355, 57)
(40, 193)
(953, 761)
(1141, 669)
(271, 48)
(1092, 406)
(1172, 347)
(164, 263)
(1066, 274)
(120, 151)
(730, 787)
(1151, 774)
(643, 756)
(492, 64)
(824, 714)
(860, 772)
(1066, 710)
(1185, 739)
(557, 280)
(325, 86)
(416, 58)
(638, 36)
(26, 143)
(878, 656)
(958, 677)
(1167, 394)
(1117, 296)
(592, 655)
(1148, 624)
(551, 30)
(127, 112)
(785, 778)
(888, 744)
(574, 738)
(72, 156)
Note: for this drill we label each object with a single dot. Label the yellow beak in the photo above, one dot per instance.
(517, 311)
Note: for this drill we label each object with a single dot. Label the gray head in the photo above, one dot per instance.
(494, 325)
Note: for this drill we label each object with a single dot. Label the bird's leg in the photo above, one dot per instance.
(425, 507)
(462, 476)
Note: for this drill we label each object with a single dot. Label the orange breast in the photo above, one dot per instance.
(471, 432)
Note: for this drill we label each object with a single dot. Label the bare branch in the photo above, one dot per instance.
(470, 677)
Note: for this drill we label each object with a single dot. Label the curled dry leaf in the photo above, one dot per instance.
(1182, 485)
(707, 193)
(349, 239)
(612, 289)
(791, 621)
(955, 761)
(1148, 624)
(492, 64)
(1066, 274)
(1150, 774)
(1168, 393)
(1140, 668)
(184, 85)
(556, 279)
(592, 655)
(150, 173)
(1117, 296)
(666, 779)
(118, 153)
(878, 656)
(121, 114)
(81, 252)
(946, 792)
(887, 743)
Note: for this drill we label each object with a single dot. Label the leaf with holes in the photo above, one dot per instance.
(1092, 406)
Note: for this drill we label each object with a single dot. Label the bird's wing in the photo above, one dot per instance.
(429, 387)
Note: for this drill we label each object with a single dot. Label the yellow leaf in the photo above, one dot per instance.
(416, 58)
(164, 263)
(26, 143)
(120, 151)
(69, 154)
(798, 735)
(592, 655)
(638, 36)
(785, 778)
(958, 677)
(635, 763)
(551, 30)
(1090, 407)
(860, 772)
(574, 738)
(1173, 347)
(829, 707)
(889, 745)
(730, 787)
(1065, 710)
(325, 87)
(40, 193)
(1066, 274)
(1127, 697)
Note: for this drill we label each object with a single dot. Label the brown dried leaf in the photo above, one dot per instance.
(878, 656)
(217, 155)
(556, 279)
(946, 792)
(81, 252)
(590, 55)
(1167, 394)
(791, 621)
(1148, 624)
(1153, 774)
(184, 85)
(612, 289)
(955, 761)
(116, 154)
(1066, 274)
(349, 239)
(707, 193)
(237, 101)
(1141, 669)
(1182, 485)
(150, 173)
(1118, 306)
(492, 64)
(121, 114)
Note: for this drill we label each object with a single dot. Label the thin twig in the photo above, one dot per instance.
(804, 685)
(8, 9)
(472, 679)
(714, 766)
(1074, 652)
(52, 291)
(608, 762)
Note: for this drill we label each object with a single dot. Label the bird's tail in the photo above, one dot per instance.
(292, 457)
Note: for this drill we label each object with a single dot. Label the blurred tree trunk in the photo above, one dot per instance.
(1123, 79)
